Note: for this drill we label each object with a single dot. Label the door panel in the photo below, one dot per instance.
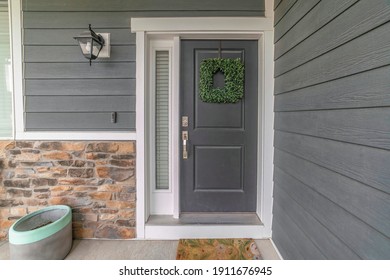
(229, 116)
(226, 171)
(219, 174)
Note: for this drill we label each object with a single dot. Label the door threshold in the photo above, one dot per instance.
(197, 225)
(206, 219)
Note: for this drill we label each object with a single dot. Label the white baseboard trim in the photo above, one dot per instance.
(276, 249)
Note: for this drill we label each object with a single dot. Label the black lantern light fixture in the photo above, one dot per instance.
(90, 43)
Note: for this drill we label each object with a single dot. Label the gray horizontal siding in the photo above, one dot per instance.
(111, 19)
(315, 20)
(366, 89)
(109, 70)
(360, 238)
(368, 127)
(76, 87)
(364, 16)
(60, 20)
(286, 243)
(59, 80)
(144, 5)
(302, 242)
(277, 3)
(285, 6)
(298, 10)
(332, 138)
(73, 54)
(80, 103)
(64, 37)
(373, 52)
(79, 121)
(327, 245)
(364, 164)
(361, 200)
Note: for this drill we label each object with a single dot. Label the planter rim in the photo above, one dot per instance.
(25, 237)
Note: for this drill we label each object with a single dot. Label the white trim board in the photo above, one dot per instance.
(9, 69)
(276, 249)
(15, 7)
(142, 206)
(201, 24)
(205, 28)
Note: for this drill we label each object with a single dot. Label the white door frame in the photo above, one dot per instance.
(202, 28)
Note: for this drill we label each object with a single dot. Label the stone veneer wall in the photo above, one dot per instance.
(97, 179)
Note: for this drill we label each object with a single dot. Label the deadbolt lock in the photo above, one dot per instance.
(184, 121)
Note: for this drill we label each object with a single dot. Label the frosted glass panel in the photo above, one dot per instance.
(162, 120)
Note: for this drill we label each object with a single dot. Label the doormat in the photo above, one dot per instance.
(217, 249)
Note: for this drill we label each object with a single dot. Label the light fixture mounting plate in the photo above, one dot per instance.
(106, 50)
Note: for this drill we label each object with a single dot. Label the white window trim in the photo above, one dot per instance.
(207, 28)
(11, 79)
(19, 127)
(16, 58)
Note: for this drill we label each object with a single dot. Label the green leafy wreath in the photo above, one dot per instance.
(233, 91)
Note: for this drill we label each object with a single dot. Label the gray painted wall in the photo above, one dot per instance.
(332, 129)
(62, 92)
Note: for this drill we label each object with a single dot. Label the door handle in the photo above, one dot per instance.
(184, 136)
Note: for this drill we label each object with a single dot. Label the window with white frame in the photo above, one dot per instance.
(5, 74)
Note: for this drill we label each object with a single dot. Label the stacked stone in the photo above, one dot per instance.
(96, 179)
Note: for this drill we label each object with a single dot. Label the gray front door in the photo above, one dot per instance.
(220, 173)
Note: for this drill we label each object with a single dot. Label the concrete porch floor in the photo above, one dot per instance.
(133, 250)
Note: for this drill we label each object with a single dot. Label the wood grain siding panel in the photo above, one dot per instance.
(329, 246)
(97, 87)
(364, 16)
(113, 70)
(80, 104)
(366, 89)
(73, 54)
(282, 9)
(143, 5)
(99, 20)
(362, 239)
(118, 19)
(373, 52)
(370, 205)
(79, 121)
(364, 164)
(332, 138)
(296, 13)
(311, 23)
(287, 245)
(64, 37)
(369, 127)
(306, 246)
(277, 3)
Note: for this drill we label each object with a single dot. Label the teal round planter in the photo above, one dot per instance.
(45, 234)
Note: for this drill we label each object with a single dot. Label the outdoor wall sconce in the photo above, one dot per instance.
(94, 45)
